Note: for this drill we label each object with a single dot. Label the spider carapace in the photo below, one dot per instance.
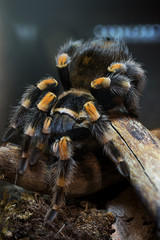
(97, 76)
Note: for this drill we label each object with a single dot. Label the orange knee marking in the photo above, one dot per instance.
(61, 182)
(40, 145)
(125, 85)
(92, 111)
(87, 60)
(24, 155)
(64, 150)
(47, 125)
(101, 82)
(26, 103)
(55, 207)
(44, 83)
(55, 146)
(30, 131)
(45, 102)
(114, 67)
(62, 60)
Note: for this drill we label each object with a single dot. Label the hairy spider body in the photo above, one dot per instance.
(97, 76)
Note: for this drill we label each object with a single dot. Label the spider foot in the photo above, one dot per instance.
(23, 165)
(123, 169)
(8, 134)
(51, 214)
(37, 151)
(34, 157)
(62, 175)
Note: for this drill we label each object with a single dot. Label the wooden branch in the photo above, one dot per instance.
(140, 151)
(88, 180)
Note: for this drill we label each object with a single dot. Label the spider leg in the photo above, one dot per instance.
(36, 152)
(62, 62)
(132, 70)
(39, 121)
(100, 128)
(63, 175)
(125, 81)
(27, 102)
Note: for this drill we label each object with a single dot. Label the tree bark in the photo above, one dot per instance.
(140, 152)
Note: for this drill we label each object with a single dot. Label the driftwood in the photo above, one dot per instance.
(140, 151)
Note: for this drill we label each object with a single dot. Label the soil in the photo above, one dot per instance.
(24, 219)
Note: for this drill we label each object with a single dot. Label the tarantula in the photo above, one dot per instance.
(97, 76)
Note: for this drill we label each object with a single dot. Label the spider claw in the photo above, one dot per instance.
(51, 215)
(8, 134)
(123, 169)
(22, 165)
(34, 156)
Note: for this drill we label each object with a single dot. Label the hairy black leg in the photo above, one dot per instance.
(42, 140)
(100, 127)
(37, 121)
(63, 60)
(29, 134)
(122, 86)
(110, 91)
(131, 102)
(136, 75)
(118, 91)
(63, 174)
(62, 67)
(132, 70)
(28, 101)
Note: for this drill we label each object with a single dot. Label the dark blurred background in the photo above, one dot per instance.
(32, 31)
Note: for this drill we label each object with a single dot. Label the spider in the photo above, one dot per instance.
(98, 76)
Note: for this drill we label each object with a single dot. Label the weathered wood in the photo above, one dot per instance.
(140, 151)
(88, 179)
(132, 220)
